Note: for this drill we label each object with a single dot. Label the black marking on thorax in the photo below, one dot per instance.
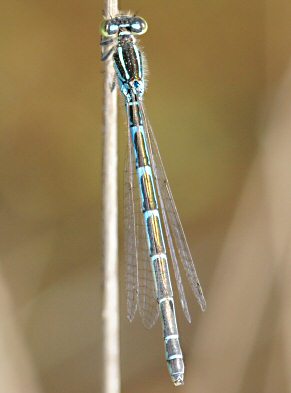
(129, 58)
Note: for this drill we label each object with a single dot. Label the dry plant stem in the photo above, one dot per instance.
(111, 360)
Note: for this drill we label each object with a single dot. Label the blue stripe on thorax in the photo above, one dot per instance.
(120, 55)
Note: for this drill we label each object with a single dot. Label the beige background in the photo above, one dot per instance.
(219, 102)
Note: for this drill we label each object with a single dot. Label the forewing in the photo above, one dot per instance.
(147, 305)
(169, 211)
(140, 281)
(130, 247)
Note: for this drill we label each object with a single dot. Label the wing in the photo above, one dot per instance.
(139, 277)
(172, 220)
(130, 249)
(147, 305)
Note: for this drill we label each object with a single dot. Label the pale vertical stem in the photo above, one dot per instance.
(111, 360)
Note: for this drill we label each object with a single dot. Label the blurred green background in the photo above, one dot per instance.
(219, 101)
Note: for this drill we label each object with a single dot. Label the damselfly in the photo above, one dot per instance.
(153, 212)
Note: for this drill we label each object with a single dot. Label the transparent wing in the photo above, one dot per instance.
(130, 248)
(176, 269)
(139, 277)
(147, 304)
(173, 221)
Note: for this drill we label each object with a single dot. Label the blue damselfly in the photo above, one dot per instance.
(151, 212)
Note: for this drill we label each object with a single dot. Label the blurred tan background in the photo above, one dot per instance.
(219, 101)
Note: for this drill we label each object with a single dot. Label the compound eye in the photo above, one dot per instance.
(138, 25)
(109, 28)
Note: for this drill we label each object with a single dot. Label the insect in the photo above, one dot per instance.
(153, 230)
